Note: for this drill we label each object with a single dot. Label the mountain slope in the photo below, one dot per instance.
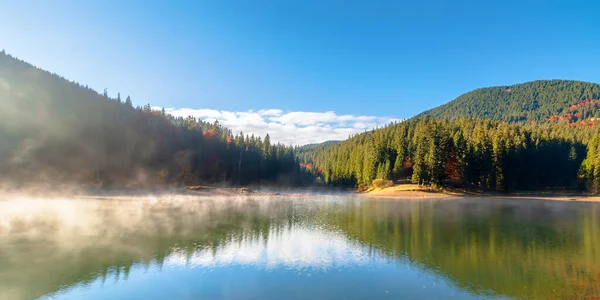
(56, 131)
(301, 150)
(531, 101)
(502, 138)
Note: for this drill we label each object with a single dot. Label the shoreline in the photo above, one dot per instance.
(413, 191)
(403, 191)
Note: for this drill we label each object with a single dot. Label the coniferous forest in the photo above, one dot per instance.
(537, 135)
(559, 101)
(469, 145)
(53, 130)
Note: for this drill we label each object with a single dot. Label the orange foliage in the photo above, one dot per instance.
(574, 119)
(308, 166)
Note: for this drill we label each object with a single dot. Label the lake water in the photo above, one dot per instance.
(319, 247)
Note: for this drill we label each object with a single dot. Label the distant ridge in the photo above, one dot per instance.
(314, 145)
(540, 100)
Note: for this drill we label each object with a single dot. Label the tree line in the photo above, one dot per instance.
(55, 130)
(470, 153)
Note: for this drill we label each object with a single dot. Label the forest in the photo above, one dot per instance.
(467, 153)
(537, 101)
(537, 135)
(57, 131)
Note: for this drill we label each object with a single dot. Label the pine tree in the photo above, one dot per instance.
(266, 147)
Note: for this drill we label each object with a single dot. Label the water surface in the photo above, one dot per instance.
(320, 247)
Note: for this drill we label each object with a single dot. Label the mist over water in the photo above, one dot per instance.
(269, 247)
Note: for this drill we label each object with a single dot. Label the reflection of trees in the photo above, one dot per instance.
(32, 266)
(530, 250)
(524, 251)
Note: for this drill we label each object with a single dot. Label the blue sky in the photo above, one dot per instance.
(382, 59)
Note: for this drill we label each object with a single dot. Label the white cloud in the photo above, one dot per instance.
(270, 112)
(295, 248)
(292, 128)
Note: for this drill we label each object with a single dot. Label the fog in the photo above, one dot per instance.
(49, 242)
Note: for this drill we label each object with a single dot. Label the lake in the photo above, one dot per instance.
(316, 247)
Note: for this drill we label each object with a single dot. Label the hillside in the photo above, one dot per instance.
(543, 100)
(56, 131)
(301, 151)
(501, 138)
(481, 154)
(316, 145)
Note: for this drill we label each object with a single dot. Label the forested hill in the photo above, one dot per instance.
(472, 153)
(54, 130)
(565, 101)
(310, 147)
(541, 134)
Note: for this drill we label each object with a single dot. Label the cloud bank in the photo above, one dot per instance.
(292, 128)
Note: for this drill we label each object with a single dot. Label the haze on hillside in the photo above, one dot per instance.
(57, 131)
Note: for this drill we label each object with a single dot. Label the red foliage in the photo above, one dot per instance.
(308, 166)
(452, 170)
(583, 103)
(574, 118)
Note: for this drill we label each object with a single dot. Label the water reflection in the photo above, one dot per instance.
(297, 247)
(323, 247)
(517, 248)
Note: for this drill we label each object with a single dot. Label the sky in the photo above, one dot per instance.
(320, 70)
